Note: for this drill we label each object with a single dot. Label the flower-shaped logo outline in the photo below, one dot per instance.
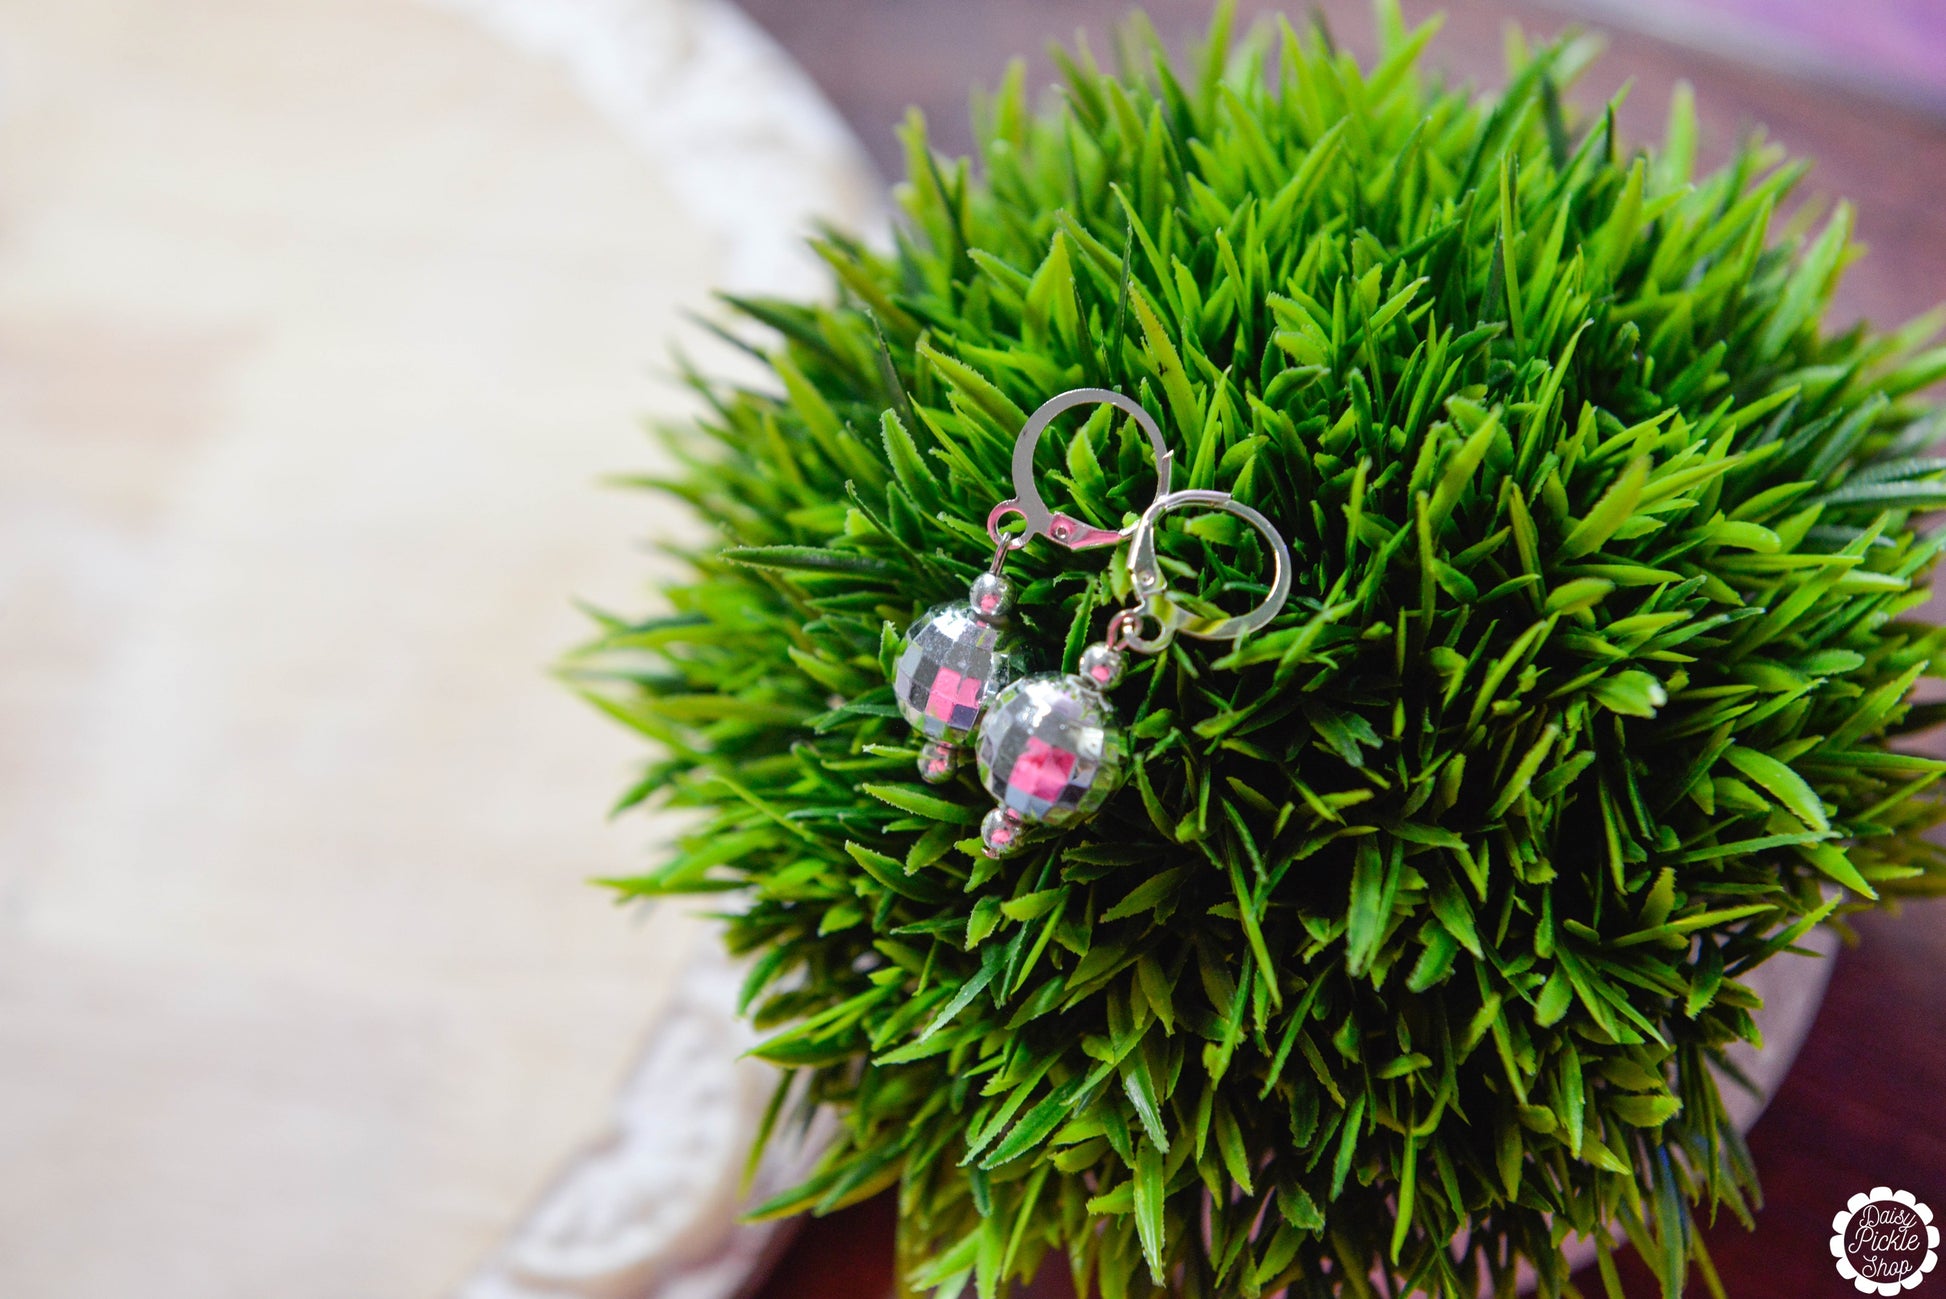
(1905, 1206)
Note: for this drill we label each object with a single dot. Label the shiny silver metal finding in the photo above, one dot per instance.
(1064, 529)
(1152, 589)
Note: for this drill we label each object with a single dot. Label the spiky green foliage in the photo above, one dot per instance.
(1408, 946)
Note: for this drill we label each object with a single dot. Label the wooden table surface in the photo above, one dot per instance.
(1861, 1107)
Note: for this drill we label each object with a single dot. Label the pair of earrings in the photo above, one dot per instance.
(1049, 746)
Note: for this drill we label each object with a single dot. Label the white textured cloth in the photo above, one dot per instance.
(319, 320)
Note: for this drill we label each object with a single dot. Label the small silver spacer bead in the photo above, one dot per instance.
(937, 761)
(1000, 831)
(992, 596)
(1101, 667)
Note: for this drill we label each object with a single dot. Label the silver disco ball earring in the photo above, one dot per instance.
(1051, 749)
(955, 660)
(959, 657)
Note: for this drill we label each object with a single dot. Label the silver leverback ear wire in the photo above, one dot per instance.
(1065, 529)
(1152, 588)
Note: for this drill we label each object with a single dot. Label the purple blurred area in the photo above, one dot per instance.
(1894, 47)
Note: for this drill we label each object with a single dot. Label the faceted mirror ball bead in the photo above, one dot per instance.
(953, 664)
(1051, 750)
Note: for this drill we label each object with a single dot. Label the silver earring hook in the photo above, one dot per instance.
(1152, 589)
(1065, 529)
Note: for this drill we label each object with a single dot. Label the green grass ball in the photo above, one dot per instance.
(1407, 948)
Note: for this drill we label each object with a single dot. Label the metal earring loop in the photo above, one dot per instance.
(1065, 529)
(1152, 589)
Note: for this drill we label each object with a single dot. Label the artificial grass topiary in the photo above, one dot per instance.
(1407, 948)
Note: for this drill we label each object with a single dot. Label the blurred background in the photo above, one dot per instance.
(319, 322)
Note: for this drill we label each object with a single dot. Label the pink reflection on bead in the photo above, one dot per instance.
(951, 690)
(1000, 831)
(1042, 770)
(936, 762)
(1102, 666)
